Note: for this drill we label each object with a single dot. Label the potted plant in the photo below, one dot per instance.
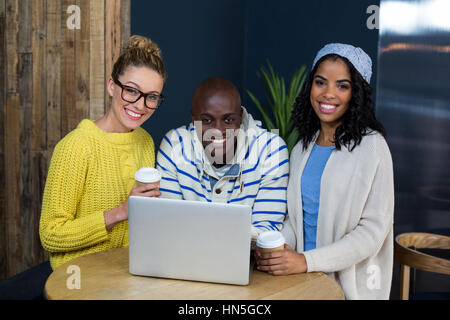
(280, 103)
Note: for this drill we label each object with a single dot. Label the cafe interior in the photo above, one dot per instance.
(56, 57)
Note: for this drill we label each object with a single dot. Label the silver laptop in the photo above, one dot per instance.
(189, 240)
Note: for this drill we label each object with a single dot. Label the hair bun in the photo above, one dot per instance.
(139, 51)
(145, 44)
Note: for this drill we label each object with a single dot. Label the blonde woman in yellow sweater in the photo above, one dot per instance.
(91, 174)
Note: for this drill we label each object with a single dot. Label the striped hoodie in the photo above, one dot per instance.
(258, 176)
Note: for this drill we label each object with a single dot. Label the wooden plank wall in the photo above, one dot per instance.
(51, 77)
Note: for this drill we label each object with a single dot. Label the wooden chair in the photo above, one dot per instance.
(410, 258)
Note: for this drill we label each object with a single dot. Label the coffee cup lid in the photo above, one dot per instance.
(147, 175)
(270, 239)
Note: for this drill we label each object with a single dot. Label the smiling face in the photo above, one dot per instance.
(217, 115)
(331, 92)
(124, 116)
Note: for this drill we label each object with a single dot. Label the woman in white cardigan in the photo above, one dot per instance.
(341, 189)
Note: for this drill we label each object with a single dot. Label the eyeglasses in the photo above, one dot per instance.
(152, 100)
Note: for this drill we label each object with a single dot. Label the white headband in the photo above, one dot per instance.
(360, 60)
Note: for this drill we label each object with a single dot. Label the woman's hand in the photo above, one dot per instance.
(146, 190)
(120, 213)
(282, 262)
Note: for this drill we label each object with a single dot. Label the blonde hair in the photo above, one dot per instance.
(139, 52)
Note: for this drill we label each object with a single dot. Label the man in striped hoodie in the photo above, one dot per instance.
(225, 156)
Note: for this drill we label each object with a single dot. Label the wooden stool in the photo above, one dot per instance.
(410, 258)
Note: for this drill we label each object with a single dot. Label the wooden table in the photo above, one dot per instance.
(104, 275)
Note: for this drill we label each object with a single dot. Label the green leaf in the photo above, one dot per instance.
(263, 111)
(273, 97)
(292, 139)
(280, 102)
(282, 107)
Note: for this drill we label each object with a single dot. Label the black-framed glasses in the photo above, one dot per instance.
(152, 100)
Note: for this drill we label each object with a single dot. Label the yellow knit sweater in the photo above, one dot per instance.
(91, 171)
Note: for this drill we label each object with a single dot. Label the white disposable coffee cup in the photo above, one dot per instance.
(147, 175)
(270, 241)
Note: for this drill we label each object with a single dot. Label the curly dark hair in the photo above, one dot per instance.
(359, 120)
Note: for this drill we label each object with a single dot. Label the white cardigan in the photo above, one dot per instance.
(354, 242)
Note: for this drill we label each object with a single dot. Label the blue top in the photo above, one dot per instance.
(310, 185)
(226, 170)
